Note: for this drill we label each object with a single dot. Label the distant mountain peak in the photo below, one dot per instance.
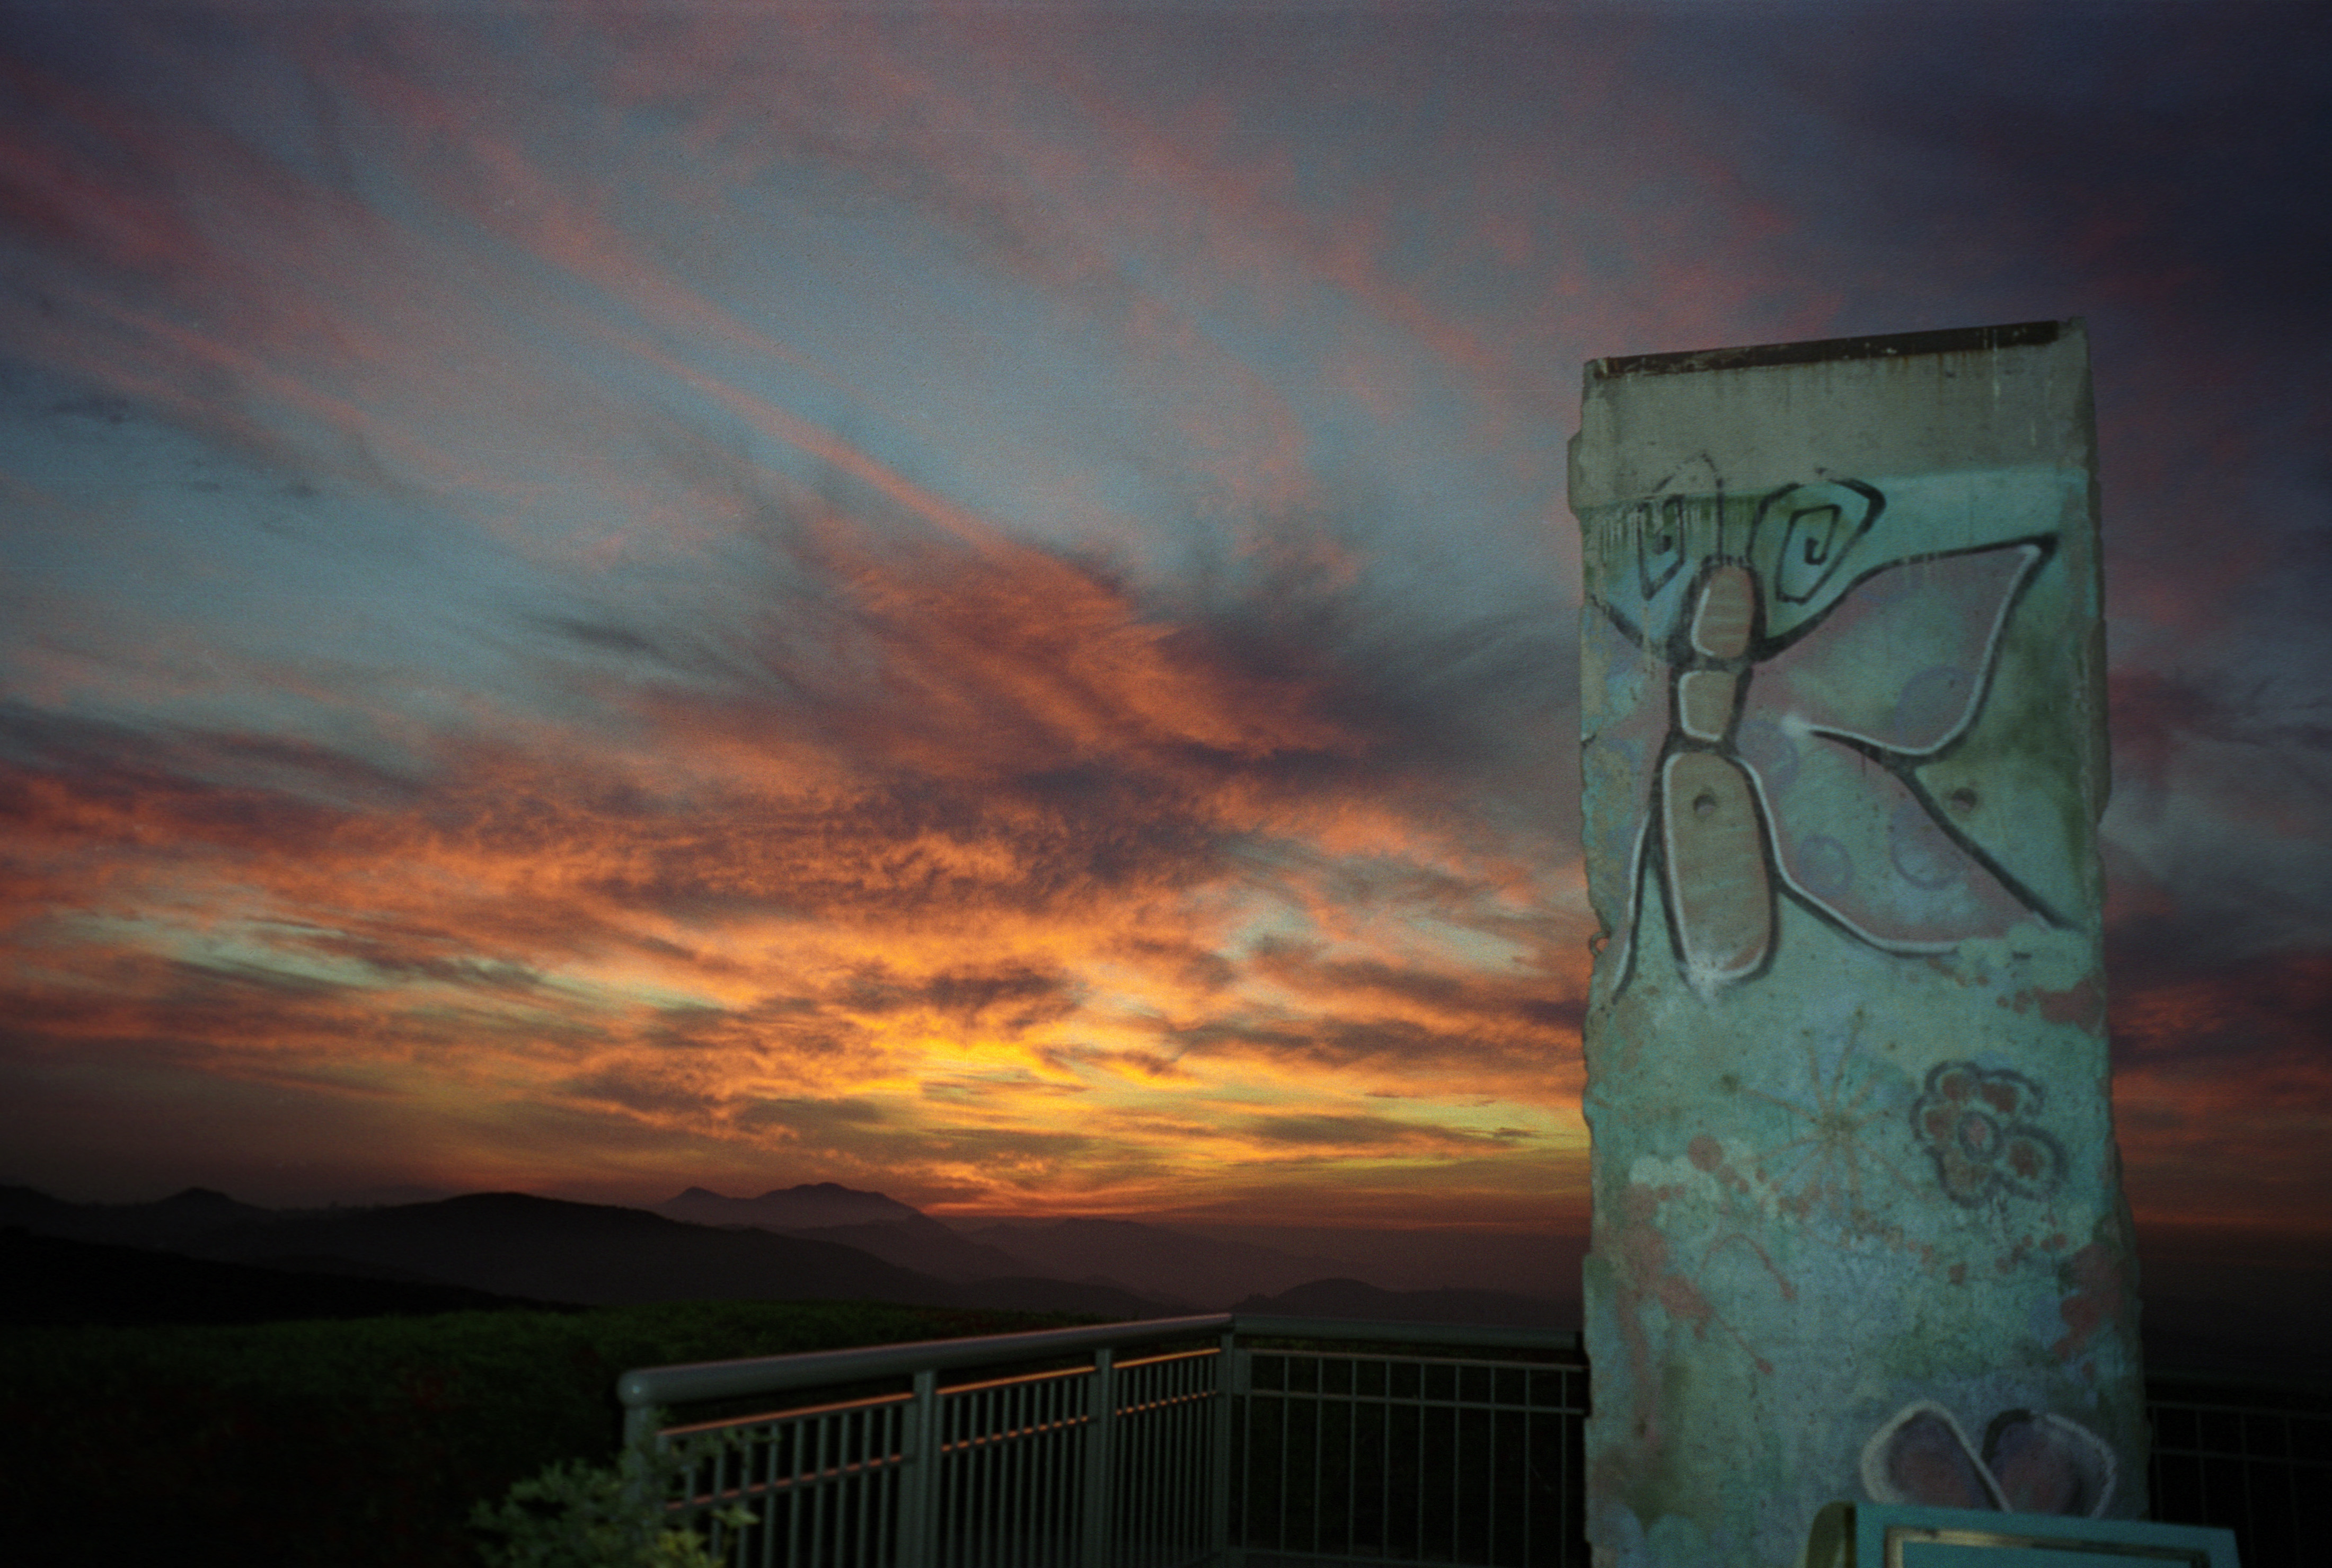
(816, 1188)
(810, 1206)
(209, 1196)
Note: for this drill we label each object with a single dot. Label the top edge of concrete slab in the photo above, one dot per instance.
(1892, 346)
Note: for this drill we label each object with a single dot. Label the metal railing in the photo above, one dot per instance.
(1265, 1442)
(2257, 1461)
(1359, 1442)
(1224, 1439)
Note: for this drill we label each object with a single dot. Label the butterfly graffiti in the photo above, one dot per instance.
(1784, 764)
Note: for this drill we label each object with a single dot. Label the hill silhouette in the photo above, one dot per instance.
(813, 1205)
(515, 1244)
(49, 1279)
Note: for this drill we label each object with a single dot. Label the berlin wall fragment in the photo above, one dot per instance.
(1859, 1228)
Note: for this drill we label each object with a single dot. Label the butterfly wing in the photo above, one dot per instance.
(1900, 660)
(1833, 725)
(1854, 839)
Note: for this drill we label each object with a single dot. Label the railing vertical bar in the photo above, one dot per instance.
(1048, 1495)
(1049, 1531)
(1056, 1490)
(1530, 1469)
(1166, 1474)
(1024, 1476)
(1059, 1492)
(1092, 1551)
(1156, 1526)
(1180, 1535)
(848, 1474)
(1194, 1408)
(919, 1464)
(952, 1460)
(1388, 1414)
(1490, 1471)
(1166, 1446)
(1377, 1408)
(1079, 1413)
(1129, 1454)
(1319, 1437)
(862, 1483)
(995, 1477)
(821, 1498)
(1145, 1502)
(720, 1467)
(1008, 1474)
(964, 1474)
(1037, 1489)
(958, 1459)
(1008, 1459)
(808, 1494)
(1139, 1527)
(1050, 1491)
(1204, 1432)
(834, 1487)
(1170, 1496)
(1001, 1477)
(1067, 1398)
(882, 1456)
(1016, 1512)
(1288, 1418)
(983, 1490)
(793, 1492)
(766, 1528)
(1126, 1457)
(1351, 1453)
(1228, 1384)
(1421, 1460)
(1187, 1483)
(945, 1479)
(1521, 1442)
(1207, 1382)
(998, 1492)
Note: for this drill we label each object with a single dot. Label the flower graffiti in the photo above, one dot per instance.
(1973, 1121)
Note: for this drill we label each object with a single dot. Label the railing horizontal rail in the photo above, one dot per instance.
(1359, 1332)
(647, 1388)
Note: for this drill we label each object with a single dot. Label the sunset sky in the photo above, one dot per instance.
(976, 600)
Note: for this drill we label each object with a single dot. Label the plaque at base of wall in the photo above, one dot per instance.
(1882, 1536)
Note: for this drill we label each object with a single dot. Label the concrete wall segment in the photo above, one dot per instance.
(1859, 1231)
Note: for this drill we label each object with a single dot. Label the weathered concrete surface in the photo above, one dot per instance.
(1859, 1228)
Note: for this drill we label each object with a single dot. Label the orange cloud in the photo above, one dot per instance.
(962, 878)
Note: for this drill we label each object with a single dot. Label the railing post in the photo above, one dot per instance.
(639, 1434)
(1219, 1476)
(919, 1477)
(1100, 1433)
